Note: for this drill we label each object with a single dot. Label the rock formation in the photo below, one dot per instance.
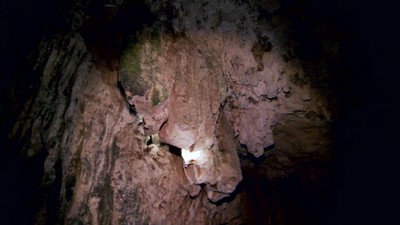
(150, 112)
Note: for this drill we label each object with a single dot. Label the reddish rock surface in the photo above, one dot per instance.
(218, 86)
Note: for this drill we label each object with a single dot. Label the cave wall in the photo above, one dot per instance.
(119, 96)
(98, 164)
(225, 59)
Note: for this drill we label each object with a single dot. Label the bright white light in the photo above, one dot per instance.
(192, 157)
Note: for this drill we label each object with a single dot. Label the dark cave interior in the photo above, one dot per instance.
(355, 188)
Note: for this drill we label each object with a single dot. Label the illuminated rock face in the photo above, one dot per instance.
(221, 63)
(217, 68)
(191, 78)
(212, 79)
(99, 156)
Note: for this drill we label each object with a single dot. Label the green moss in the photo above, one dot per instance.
(154, 35)
(130, 60)
(155, 97)
(131, 72)
(158, 95)
(130, 67)
(131, 57)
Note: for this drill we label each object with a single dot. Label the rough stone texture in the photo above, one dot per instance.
(192, 79)
(212, 80)
(225, 61)
(98, 156)
(247, 64)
